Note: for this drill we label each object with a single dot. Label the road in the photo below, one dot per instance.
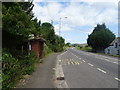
(88, 70)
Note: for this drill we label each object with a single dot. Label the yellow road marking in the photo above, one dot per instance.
(77, 63)
(72, 63)
(68, 62)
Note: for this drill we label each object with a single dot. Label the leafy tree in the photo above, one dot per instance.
(47, 31)
(17, 25)
(68, 44)
(55, 42)
(100, 38)
(37, 27)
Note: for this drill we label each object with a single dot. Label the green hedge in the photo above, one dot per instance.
(14, 68)
(47, 50)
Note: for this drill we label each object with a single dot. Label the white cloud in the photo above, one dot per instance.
(79, 15)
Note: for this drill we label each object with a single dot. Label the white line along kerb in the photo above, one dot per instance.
(90, 64)
(101, 70)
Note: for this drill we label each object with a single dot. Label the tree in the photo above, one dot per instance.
(68, 44)
(17, 24)
(100, 38)
(54, 42)
(47, 31)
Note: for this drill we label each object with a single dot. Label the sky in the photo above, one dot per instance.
(78, 17)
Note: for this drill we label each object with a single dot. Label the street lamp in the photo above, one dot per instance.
(60, 29)
(60, 25)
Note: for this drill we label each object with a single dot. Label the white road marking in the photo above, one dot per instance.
(117, 79)
(83, 60)
(106, 59)
(74, 55)
(101, 70)
(115, 62)
(59, 60)
(90, 64)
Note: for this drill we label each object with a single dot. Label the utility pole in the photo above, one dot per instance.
(60, 23)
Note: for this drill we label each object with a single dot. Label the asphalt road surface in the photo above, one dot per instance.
(87, 70)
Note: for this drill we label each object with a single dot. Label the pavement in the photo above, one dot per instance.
(43, 75)
(87, 70)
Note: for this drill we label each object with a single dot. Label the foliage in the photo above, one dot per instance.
(67, 44)
(100, 38)
(17, 24)
(14, 68)
(55, 42)
(47, 50)
(87, 48)
(10, 70)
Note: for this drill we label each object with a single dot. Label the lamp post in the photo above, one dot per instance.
(60, 23)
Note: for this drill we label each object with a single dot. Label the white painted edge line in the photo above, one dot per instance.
(117, 79)
(101, 70)
(63, 53)
(90, 64)
(83, 60)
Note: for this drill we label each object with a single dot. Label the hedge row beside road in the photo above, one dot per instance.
(14, 68)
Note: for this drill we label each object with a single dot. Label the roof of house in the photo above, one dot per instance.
(118, 38)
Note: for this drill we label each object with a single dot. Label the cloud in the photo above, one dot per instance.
(80, 14)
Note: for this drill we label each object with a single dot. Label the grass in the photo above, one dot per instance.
(88, 49)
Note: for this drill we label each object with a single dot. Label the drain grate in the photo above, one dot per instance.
(60, 78)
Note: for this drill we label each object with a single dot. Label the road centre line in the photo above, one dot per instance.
(117, 79)
(115, 62)
(101, 70)
(74, 54)
(90, 64)
(103, 58)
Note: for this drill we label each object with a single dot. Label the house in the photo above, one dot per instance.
(114, 47)
(36, 44)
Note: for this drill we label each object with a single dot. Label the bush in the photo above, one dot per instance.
(14, 68)
(28, 63)
(47, 50)
(11, 71)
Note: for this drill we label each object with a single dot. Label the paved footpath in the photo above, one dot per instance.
(43, 75)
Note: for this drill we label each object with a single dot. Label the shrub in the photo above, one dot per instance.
(10, 70)
(13, 68)
(47, 50)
